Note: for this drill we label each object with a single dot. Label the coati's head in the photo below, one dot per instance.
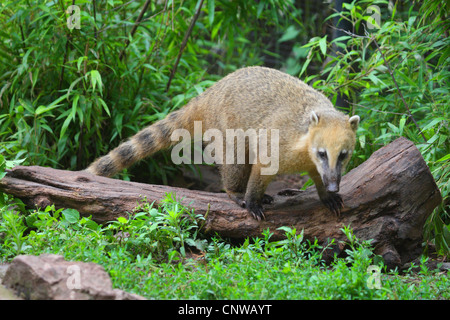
(332, 140)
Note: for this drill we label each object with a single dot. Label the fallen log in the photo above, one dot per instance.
(387, 199)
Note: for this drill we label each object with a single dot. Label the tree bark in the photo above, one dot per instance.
(387, 199)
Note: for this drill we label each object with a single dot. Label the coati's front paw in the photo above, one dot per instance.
(334, 202)
(256, 210)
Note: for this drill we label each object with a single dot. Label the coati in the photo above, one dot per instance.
(314, 136)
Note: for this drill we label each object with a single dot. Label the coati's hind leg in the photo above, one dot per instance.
(235, 178)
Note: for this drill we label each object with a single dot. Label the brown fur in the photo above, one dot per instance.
(255, 98)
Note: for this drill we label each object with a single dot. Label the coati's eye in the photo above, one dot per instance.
(342, 155)
(322, 154)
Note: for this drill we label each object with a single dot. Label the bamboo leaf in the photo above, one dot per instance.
(211, 10)
(444, 158)
(290, 34)
(323, 45)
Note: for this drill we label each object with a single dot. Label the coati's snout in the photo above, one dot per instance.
(331, 181)
(330, 172)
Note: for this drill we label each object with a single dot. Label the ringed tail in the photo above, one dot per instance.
(143, 144)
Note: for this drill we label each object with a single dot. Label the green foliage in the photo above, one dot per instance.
(14, 240)
(162, 233)
(7, 165)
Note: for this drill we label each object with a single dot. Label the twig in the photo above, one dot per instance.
(94, 4)
(133, 30)
(158, 41)
(355, 78)
(351, 34)
(183, 44)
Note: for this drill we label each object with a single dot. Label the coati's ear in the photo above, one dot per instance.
(313, 119)
(354, 122)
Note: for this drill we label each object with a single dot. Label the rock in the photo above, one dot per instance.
(3, 268)
(50, 277)
(5, 294)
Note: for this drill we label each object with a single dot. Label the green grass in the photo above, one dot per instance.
(161, 254)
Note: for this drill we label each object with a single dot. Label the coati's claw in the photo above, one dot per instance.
(267, 199)
(334, 202)
(289, 192)
(256, 210)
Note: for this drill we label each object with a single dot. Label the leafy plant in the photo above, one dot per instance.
(162, 232)
(11, 225)
(7, 165)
